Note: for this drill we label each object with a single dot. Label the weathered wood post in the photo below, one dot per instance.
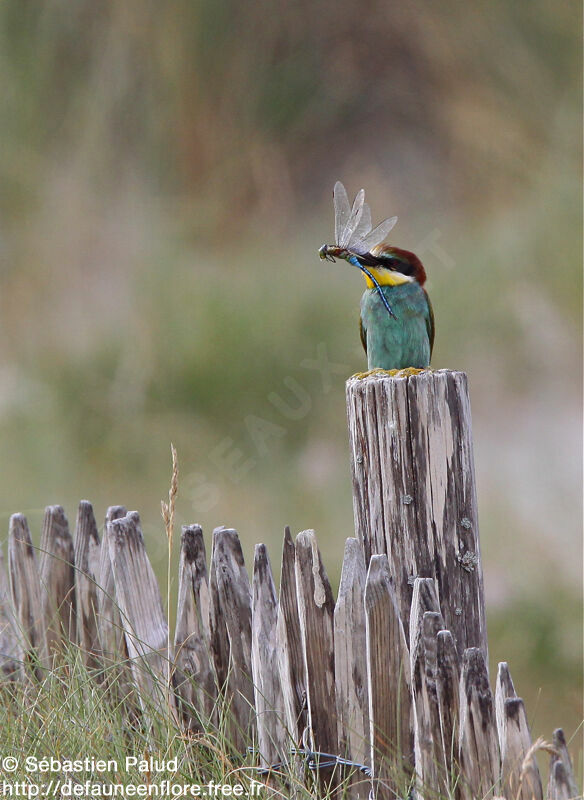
(193, 677)
(269, 703)
(230, 633)
(57, 577)
(87, 556)
(25, 588)
(351, 658)
(390, 708)
(11, 651)
(414, 490)
(290, 658)
(316, 614)
(141, 613)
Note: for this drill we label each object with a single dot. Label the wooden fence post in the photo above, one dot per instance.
(448, 692)
(111, 634)
(26, 593)
(351, 657)
(478, 742)
(504, 688)
(414, 490)
(87, 555)
(352, 691)
(141, 612)
(230, 633)
(11, 651)
(519, 772)
(193, 678)
(388, 673)
(290, 662)
(273, 742)
(315, 611)
(425, 623)
(57, 575)
(113, 650)
(561, 784)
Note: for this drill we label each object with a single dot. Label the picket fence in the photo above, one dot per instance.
(384, 692)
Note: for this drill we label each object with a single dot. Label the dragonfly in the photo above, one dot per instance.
(355, 236)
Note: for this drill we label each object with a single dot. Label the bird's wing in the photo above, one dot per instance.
(363, 333)
(430, 322)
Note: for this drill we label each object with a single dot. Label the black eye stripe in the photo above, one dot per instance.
(399, 265)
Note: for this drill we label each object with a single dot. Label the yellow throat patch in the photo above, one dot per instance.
(386, 277)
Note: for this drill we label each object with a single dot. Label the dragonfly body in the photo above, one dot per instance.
(397, 323)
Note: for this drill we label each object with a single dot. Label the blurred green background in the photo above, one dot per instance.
(166, 172)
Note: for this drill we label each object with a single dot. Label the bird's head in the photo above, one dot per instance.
(391, 266)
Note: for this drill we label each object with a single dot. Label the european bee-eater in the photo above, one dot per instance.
(397, 322)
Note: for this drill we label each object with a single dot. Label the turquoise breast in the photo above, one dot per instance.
(401, 342)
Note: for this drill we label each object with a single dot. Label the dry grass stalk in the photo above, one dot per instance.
(527, 765)
(167, 510)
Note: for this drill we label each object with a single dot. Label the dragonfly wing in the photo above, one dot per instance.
(377, 235)
(342, 209)
(363, 227)
(354, 219)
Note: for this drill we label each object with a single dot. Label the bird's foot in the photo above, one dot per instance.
(393, 373)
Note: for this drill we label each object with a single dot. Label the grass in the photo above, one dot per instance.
(69, 717)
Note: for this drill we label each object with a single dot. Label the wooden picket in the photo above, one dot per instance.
(315, 612)
(385, 690)
(86, 558)
(390, 704)
(351, 658)
(447, 691)
(230, 634)
(112, 643)
(27, 600)
(193, 676)
(561, 785)
(289, 646)
(141, 613)
(269, 703)
(11, 650)
(478, 742)
(352, 693)
(57, 577)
